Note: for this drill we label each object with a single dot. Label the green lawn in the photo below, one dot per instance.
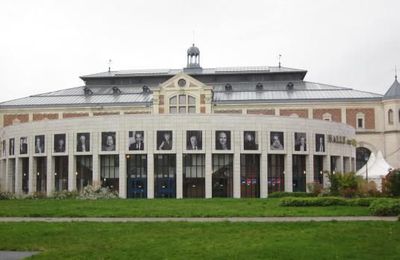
(168, 208)
(328, 240)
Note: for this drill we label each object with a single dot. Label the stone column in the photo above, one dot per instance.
(309, 169)
(326, 167)
(96, 158)
(288, 171)
(18, 175)
(150, 164)
(71, 163)
(236, 163)
(179, 165)
(50, 167)
(264, 175)
(122, 165)
(208, 161)
(7, 177)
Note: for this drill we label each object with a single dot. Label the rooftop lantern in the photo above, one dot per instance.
(193, 57)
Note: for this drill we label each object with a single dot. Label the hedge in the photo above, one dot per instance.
(325, 201)
(290, 194)
(385, 207)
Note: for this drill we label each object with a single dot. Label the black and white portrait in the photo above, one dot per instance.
(164, 140)
(300, 142)
(320, 143)
(23, 145)
(250, 141)
(222, 140)
(136, 141)
(11, 146)
(276, 141)
(194, 140)
(83, 142)
(39, 144)
(59, 143)
(108, 141)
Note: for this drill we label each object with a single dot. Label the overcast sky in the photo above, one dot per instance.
(47, 45)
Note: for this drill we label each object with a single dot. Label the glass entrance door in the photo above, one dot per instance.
(250, 175)
(165, 176)
(136, 176)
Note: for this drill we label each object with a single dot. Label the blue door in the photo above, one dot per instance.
(165, 176)
(136, 176)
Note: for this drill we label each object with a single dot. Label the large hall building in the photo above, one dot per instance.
(194, 132)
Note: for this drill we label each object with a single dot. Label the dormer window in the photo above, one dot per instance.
(87, 91)
(145, 89)
(116, 91)
(228, 87)
(259, 86)
(290, 86)
(327, 117)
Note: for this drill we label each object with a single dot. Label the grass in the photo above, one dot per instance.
(313, 240)
(167, 208)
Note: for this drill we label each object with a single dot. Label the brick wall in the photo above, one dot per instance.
(232, 111)
(335, 112)
(261, 111)
(71, 115)
(288, 112)
(136, 112)
(8, 119)
(105, 113)
(42, 116)
(351, 117)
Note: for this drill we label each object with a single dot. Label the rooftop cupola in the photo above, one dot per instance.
(193, 57)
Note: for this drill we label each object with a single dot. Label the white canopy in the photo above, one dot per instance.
(377, 169)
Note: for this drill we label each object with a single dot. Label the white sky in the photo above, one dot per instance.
(47, 45)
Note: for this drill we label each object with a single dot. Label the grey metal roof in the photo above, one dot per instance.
(394, 90)
(203, 71)
(273, 91)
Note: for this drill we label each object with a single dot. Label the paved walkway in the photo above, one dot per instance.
(211, 219)
(15, 255)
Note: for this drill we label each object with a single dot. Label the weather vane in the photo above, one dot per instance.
(279, 58)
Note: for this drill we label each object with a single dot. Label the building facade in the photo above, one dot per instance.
(194, 132)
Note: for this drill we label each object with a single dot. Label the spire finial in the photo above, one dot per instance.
(395, 72)
(193, 36)
(279, 58)
(109, 65)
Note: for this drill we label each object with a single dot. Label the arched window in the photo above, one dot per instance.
(327, 117)
(182, 104)
(360, 120)
(390, 117)
(362, 156)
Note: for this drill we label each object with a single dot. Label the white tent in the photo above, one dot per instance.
(377, 169)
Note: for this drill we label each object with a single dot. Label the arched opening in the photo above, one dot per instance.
(390, 117)
(362, 156)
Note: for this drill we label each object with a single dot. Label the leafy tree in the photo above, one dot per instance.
(391, 183)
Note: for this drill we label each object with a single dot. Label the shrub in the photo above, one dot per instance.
(315, 188)
(290, 194)
(312, 202)
(97, 192)
(65, 194)
(35, 195)
(7, 196)
(325, 201)
(391, 183)
(344, 184)
(385, 207)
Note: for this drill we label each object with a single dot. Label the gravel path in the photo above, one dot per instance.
(211, 219)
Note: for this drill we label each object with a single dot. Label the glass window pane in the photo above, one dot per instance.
(172, 110)
(192, 109)
(191, 100)
(182, 110)
(172, 101)
(182, 99)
